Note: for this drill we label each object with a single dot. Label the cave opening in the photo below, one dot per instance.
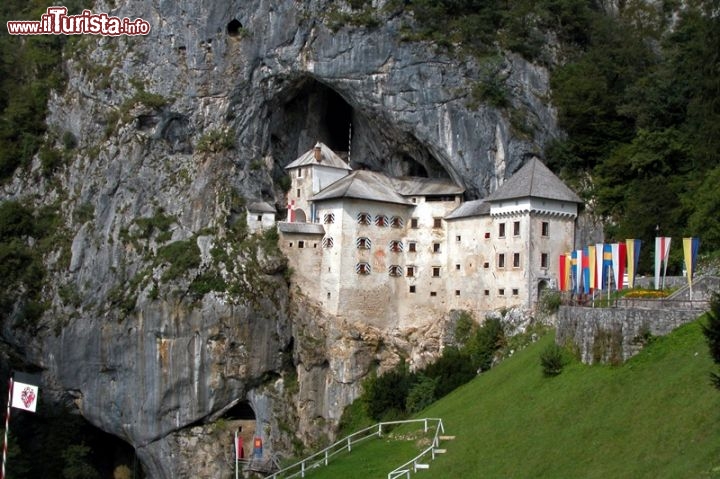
(52, 445)
(242, 420)
(306, 111)
(234, 27)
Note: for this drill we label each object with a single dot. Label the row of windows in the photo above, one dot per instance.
(380, 220)
(366, 219)
(501, 291)
(395, 270)
(544, 229)
(516, 260)
(397, 247)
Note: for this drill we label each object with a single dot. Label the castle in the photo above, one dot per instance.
(398, 252)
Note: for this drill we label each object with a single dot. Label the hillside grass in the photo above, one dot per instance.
(656, 416)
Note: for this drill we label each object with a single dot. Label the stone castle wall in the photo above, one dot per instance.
(616, 334)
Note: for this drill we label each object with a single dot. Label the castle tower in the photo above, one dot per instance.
(309, 174)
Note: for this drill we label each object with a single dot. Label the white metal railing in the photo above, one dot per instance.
(413, 464)
(321, 458)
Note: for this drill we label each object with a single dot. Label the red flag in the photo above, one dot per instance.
(563, 273)
(239, 452)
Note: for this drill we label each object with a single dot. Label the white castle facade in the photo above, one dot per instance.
(399, 252)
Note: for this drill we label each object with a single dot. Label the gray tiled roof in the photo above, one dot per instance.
(260, 207)
(363, 185)
(534, 179)
(470, 208)
(412, 186)
(301, 228)
(327, 158)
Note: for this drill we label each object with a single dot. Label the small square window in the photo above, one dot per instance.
(516, 228)
(545, 228)
(487, 235)
(486, 292)
(301, 244)
(458, 238)
(413, 223)
(433, 293)
(486, 265)
(457, 267)
(290, 244)
(544, 260)
(259, 217)
(410, 271)
(501, 230)
(412, 288)
(437, 222)
(298, 192)
(515, 291)
(501, 291)
(412, 247)
(457, 292)
(516, 260)
(328, 295)
(436, 271)
(501, 260)
(436, 247)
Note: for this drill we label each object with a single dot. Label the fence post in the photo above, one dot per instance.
(379, 429)
(349, 444)
(302, 469)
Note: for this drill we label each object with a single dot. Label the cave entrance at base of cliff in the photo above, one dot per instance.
(49, 444)
(241, 418)
(305, 110)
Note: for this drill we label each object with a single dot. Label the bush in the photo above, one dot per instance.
(452, 370)
(421, 394)
(181, 255)
(465, 327)
(488, 339)
(385, 396)
(553, 359)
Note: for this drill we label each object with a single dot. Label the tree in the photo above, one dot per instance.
(712, 333)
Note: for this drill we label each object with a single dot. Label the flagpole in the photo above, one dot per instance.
(237, 454)
(7, 428)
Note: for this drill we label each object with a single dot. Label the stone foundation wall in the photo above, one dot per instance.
(614, 335)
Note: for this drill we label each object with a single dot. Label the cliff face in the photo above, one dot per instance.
(176, 131)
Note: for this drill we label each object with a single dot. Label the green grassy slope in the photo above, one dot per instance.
(654, 417)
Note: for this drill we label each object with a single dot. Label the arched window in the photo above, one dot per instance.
(328, 242)
(396, 246)
(329, 218)
(364, 218)
(396, 222)
(381, 221)
(363, 243)
(362, 268)
(395, 270)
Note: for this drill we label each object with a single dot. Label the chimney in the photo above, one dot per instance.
(318, 153)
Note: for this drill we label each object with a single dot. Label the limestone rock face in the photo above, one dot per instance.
(177, 131)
